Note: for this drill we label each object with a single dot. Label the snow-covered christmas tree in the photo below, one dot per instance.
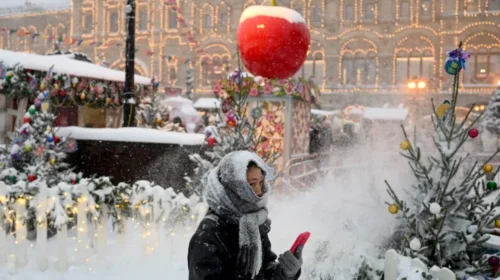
(451, 211)
(491, 119)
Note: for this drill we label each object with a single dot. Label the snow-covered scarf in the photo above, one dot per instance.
(230, 196)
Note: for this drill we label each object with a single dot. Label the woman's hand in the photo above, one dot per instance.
(290, 263)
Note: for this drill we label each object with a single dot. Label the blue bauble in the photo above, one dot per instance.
(50, 139)
(452, 66)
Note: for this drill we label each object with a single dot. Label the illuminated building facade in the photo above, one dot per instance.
(358, 46)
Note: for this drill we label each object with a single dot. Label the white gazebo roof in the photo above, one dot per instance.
(65, 65)
(207, 103)
(385, 114)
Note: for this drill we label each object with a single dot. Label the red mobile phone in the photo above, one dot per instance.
(301, 240)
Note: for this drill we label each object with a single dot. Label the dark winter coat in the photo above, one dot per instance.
(213, 252)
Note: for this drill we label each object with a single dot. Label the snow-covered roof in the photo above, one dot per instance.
(176, 102)
(65, 65)
(324, 113)
(207, 103)
(131, 134)
(387, 114)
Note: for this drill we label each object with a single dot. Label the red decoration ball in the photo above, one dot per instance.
(273, 41)
(57, 139)
(31, 178)
(27, 120)
(231, 123)
(494, 261)
(211, 141)
(73, 181)
(62, 92)
(473, 133)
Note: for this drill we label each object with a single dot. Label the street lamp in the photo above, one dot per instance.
(421, 85)
(412, 85)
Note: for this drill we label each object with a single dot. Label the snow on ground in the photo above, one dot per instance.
(345, 209)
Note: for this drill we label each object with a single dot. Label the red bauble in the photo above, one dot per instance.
(473, 133)
(31, 178)
(73, 181)
(57, 139)
(27, 120)
(62, 92)
(273, 41)
(231, 123)
(211, 141)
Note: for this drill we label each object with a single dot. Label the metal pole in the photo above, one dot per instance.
(129, 104)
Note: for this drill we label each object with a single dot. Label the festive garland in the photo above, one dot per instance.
(63, 90)
(254, 87)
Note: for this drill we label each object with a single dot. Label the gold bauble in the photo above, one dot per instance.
(441, 110)
(487, 168)
(393, 209)
(159, 121)
(82, 96)
(405, 145)
(108, 100)
(497, 223)
(52, 161)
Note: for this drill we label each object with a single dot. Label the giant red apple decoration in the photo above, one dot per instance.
(273, 41)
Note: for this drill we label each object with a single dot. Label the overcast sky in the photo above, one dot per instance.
(14, 3)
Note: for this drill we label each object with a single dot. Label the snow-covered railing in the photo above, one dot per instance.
(85, 215)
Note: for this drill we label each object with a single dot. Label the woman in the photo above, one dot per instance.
(232, 240)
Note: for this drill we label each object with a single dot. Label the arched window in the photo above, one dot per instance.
(214, 69)
(316, 14)
(142, 18)
(113, 22)
(206, 18)
(369, 11)
(358, 63)
(49, 34)
(88, 23)
(223, 13)
(483, 66)
(414, 65)
(349, 12)
(172, 18)
(404, 10)
(493, 5)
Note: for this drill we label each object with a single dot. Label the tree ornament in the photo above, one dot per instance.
(49, 129)
(27, 148)
(211, 141)
(57, 139)
(393, 209)
(159, 121)
(226, 105)
(62, 93)
(108, 100)
(491, 185)
(487, 168)
(50, 139)
(11, 178)
(73, 181)
(231, 123)
(82, 96)
(493, 260)
(273, 41)
(497, 223)
(435, 208)
(405, 145)
(31, 177)
(32, 110)
(27, 118)
(52, 161)
(415, 244)
(442, 109)
(257, 113)
(473, 133)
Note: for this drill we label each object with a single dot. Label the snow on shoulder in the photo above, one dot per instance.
(131, 134)
(272, 11)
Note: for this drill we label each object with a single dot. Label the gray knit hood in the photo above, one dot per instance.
(231, 197)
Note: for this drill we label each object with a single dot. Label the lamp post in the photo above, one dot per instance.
(129, 104)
